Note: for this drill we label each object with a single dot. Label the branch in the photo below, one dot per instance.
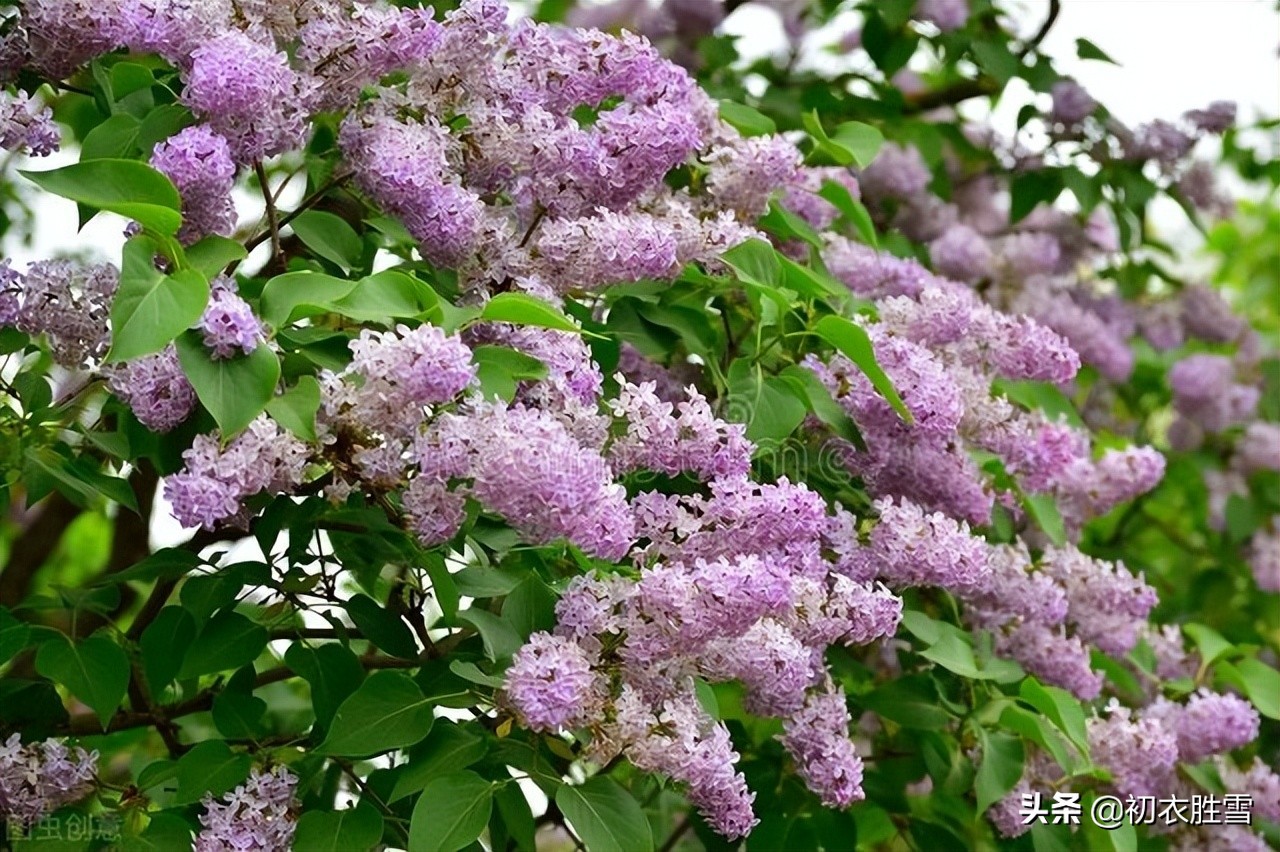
(676, 833)
(272, 225)
(1055, 7)
(87, 724)
(33, 547)
(951, 95)
(307, 203)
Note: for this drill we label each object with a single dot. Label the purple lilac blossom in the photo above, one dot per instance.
(898, 172)
(1139, 751)
(553, 685)
(228, 324)
(961, 253)
(155, 389)
(38, 778)
(1071, 103)
(946, 15)
(68, 302)
(258, 814)
(659, 439)
(817, 737)
(27, 126)
(199, 163)
(247, 93)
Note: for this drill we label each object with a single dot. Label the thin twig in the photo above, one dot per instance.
(307, 203)
(676, 833)
(272, 222)
(1055, 7)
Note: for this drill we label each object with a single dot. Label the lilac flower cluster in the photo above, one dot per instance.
(68, 302)
(199, 163)
(258, 814)
(1205, 392)
(155, 388)
(38, 778)
(247, 93)
(946, 15)
(659, 440)
(26, 126)
(228, 324)
(209, 488)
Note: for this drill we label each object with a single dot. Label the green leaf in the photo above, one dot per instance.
(77, 479)
(1209, 642)
(523, 309)
(1061, 707)
(516, 816)
(213, 254)
(115, 138)
(500, 638)
(852, 209)
(296, 408)
(499, 369)
(164, 832)
(476, 581)
(356, 829)
(912, 702)
(211, 767)
(824, 406)
(995, 57)
(469, 671)
(1001, 768)
(161, 123)
(238, 715)
(1044, 509)
(386, 712)
(747, 120)
(381, 627)
(228, 641)
(448, 748)
(332, 671)
(151, 308)
(168, 563)
(1086, 49)
(387, 296)
(852, 342)
(329, 236)
(451, 812)
(128, 187)
(1030, 189)
(530, 607)
(1040, 395)
(95, 670)
(1262, 684)
(164, 645)
(294, 295)
(755, 261)
(605, 816)
(14, 635)
(862, 141)
(234, 390)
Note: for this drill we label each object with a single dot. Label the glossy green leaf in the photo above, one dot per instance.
(605, 816)
(128, 187)
(356, 829)
(213, 254)
(523, 309)
(386, 712)
(451, 812)
(1044, 509)
(747, 120)
(296, 408)
(294, 295)
(500, 638)
(331, 670)
(14, 635)
(852, 342)
(1061, 707)
(448, 748)
(382, 627)
(151, 308)
(1001, 767)
(210, 767)
(228, 641)
(329, 236)
(234, 390)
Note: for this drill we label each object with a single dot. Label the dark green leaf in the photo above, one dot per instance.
(211, 767)
(381, 627)
(213, 254)
(386, 712)
(755, 261)
(451, 812)
(332, 671)
(229, 641)
(1031, 189)
(499, 369)
(1044, 509)
(14, 635)
(115, 138)
(164, 644)
(356, 829)
(95, 670)
(298, 294)
(1086, 49)
(500, 638)
(234, 390)
(605, 816)
(1061, 707)
(387, 296)
(852, 210)
(128, 187)
(448, 748)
